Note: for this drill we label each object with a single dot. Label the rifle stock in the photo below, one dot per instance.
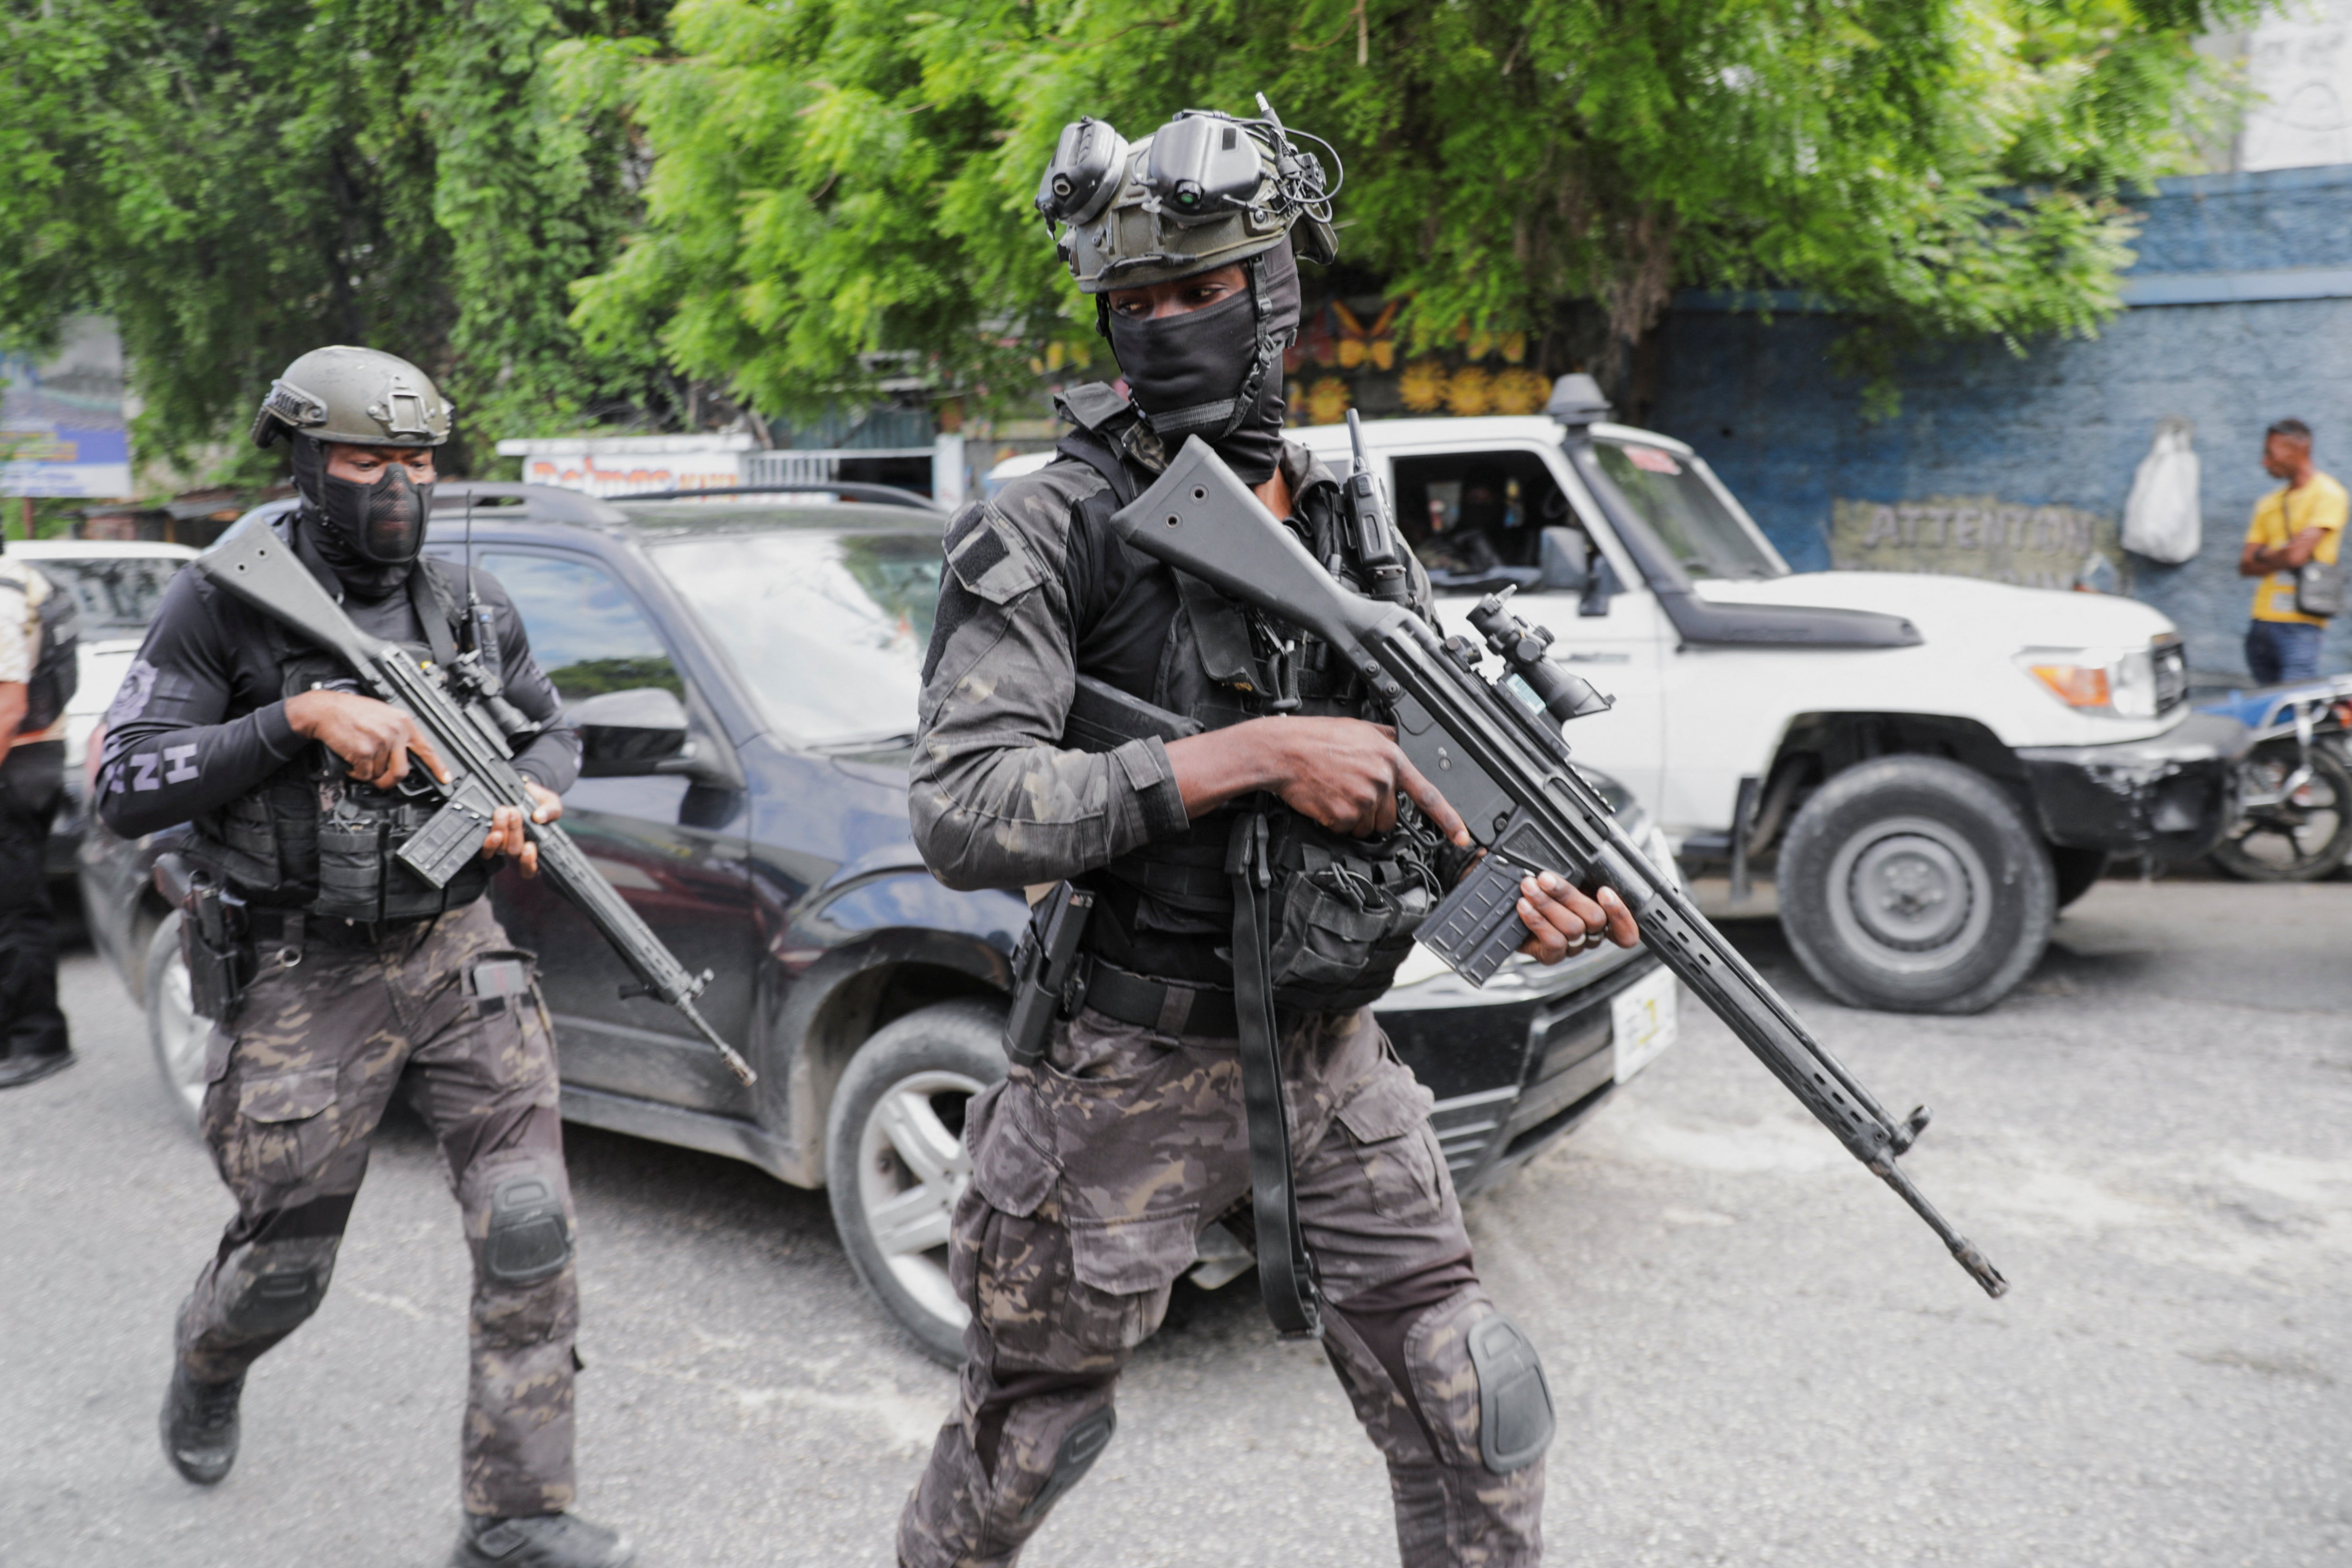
(1506, 770)
(261, 570)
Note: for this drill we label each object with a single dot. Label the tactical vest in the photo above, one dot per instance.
(1343, 909)
(311, 837)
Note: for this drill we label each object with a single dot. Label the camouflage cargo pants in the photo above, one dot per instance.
(1093, 1174)
(449, 1010)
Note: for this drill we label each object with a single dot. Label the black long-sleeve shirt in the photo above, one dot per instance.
(200, 716)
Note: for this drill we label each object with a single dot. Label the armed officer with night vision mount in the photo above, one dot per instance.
(1228, 857)
(334, 975)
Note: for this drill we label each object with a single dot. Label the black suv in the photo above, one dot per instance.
(786, 633)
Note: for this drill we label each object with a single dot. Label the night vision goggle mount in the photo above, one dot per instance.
(1202, 165)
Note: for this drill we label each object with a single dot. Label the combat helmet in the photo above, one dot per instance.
(359, 397)
(1205, 191)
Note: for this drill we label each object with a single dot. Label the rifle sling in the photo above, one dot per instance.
(1286, 1277)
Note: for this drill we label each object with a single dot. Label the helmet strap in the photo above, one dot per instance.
(1268, 353)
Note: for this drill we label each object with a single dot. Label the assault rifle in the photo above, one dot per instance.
(473, 736)
(1494, 749)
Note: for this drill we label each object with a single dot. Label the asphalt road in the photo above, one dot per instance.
(1758, 1355)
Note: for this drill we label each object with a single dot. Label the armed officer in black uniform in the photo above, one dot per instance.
(335, 976)
(1219, 803)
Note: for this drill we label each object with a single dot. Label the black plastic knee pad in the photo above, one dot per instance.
(275, 1288)
(1515, 1415)
(1082, 1445)
(530, 1239)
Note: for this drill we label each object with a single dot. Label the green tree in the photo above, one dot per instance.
(241, 180)
(842, 178)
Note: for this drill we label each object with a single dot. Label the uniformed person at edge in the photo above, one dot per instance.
(364, 979)
(1096, 1167)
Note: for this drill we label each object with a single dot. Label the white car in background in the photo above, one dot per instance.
(1931, 766)
(118, 585)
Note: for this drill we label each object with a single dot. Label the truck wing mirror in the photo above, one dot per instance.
(625, 733)
(1600, 587)
(1563, 558)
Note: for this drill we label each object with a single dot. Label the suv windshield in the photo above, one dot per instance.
(117, 595)
(828, 627)
(1689, 518)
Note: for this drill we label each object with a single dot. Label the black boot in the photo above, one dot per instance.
(538, 1541)
(32, 1066)
(200, 1427)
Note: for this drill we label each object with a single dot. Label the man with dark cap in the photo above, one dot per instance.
(1213, 795)
(337, 974)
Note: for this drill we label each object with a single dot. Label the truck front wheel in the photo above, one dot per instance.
(1913, 884)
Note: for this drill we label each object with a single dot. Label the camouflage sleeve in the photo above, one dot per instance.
(995, 799)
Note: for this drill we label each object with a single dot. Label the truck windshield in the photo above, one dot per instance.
(826, 628)
(1689, 518)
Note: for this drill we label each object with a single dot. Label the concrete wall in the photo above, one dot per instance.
(2269, 258)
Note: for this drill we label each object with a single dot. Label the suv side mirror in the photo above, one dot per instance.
(1601, 587)
(631, 733)
(1562, 558)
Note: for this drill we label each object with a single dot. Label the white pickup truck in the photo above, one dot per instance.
(1932, 765)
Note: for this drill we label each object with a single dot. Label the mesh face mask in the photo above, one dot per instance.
(370, 534)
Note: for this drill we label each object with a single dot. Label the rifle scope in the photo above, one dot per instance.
(1525, 649)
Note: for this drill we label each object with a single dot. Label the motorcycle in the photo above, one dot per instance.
(2294, 783)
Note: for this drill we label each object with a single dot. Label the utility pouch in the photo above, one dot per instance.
(215, 938)
(2319, 588)
(1047, 969)
(1104, 718)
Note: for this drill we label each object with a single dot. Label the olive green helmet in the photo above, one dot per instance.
(363, 397)
(1205, 191)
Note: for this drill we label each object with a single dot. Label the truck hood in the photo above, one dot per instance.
(1960, 607)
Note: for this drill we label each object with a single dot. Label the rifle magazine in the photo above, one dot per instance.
(451, 836)
(1477, 927)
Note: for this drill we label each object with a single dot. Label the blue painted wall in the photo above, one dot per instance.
(2067, 424)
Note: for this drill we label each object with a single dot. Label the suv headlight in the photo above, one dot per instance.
(2117, 681)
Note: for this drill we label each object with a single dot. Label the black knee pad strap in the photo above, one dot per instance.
(530, 1239)
(1514, 1415)
(274, 1287)
(1082, 1445)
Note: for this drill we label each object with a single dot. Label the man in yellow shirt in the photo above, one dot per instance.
(2302, 523)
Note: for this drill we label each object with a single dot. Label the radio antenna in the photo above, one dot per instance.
(473, 600)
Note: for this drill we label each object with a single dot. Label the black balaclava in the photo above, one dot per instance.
(369, 534)
(1188, 372)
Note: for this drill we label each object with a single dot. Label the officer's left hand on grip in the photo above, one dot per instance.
(1561, 919)
(508, 835)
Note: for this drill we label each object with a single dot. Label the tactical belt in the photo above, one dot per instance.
(1172, 1009)
(295, 928)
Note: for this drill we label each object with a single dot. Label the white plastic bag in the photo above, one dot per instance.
(2161, 521)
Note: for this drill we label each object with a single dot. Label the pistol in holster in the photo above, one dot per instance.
(1048, 971)
(215, 937)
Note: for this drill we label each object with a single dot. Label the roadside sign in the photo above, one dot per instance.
(62, 430)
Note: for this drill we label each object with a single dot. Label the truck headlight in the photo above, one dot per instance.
(2117, 681)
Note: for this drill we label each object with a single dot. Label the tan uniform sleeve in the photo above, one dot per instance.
(995, 800)
(21, 594)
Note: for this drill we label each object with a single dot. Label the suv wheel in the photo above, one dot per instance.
(896, 1161)
(1913, 884)
(175, 1033)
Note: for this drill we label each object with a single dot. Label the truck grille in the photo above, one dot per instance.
(2171, 672)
